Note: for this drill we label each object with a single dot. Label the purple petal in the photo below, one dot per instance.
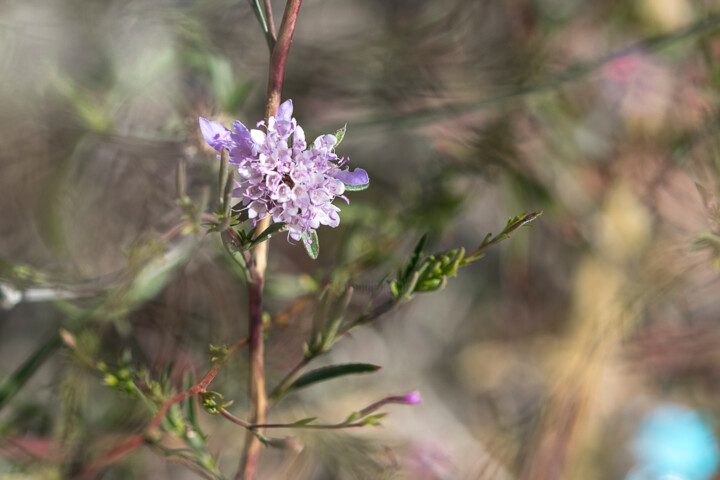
(243, 139)
(284, 111)
(299, 138)
(354, 178)
(215, 134)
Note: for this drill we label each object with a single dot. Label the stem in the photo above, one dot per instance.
(133, 442)
(258, 398)
(279, 55)
(279, 391)
(282, 387)
(337, 426)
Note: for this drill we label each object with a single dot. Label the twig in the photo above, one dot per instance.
(279, 391)
(233, 418)
(135, 441)
(334, 426)
(282, 387)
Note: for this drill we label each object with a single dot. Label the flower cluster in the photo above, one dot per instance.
(281, 177)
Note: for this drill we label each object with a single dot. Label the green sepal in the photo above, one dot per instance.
(311, 243)
(356, 188)
(340, 134)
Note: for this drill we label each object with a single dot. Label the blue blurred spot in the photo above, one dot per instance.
(673, 442)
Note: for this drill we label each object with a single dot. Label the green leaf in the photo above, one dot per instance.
(408, 288)
(373, 419)
(311, 243)
(416, 256)
(354, 416)
(157, 272)
(333, 371)
(305, 421)
(267, 233)
(12, 384)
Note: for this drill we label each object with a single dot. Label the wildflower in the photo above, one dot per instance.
(281, 176)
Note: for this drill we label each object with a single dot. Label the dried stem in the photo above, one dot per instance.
(258, 397)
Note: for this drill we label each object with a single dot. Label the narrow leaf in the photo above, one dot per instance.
(305, 421)
(267, 233)
(374, 419)
(12, 384)
(333, 371)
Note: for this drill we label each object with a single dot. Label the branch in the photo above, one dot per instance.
(132, 443)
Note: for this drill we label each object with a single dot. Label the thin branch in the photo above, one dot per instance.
(279, 391)
(135, 441)
(233, 418)
(282, 387)
(334, 426)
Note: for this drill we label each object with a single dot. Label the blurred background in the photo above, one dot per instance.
(538, 362)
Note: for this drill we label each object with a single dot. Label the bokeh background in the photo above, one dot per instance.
(537, 362)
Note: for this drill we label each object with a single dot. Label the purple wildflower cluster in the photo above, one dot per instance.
(281, 177)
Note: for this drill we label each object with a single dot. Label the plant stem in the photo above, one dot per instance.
(282, 387)
(258, 397)
(135, 441)
(279, 391)
(279, 55)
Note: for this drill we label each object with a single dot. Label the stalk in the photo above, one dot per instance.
(258, 395)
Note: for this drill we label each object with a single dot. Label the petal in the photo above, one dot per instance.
(325, 141)
(215, 134)
(354, 178)
(258, 136)
(243, 140)
(284, 111)
(299, 138)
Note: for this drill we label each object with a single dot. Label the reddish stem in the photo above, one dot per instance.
(279, 55)
(132, 443)
(258, 396)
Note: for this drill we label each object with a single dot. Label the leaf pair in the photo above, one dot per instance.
(427, 273)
